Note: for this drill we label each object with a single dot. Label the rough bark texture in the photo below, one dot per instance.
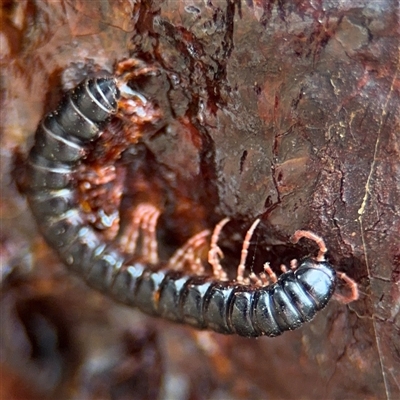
(288, 112)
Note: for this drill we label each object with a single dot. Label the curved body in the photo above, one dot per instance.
(227, 307)
(61, 142)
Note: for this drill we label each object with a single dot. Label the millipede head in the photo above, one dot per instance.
(97, 98)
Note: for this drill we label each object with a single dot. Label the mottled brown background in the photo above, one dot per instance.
(288, 111)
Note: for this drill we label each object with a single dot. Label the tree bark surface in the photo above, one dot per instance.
(285, 112)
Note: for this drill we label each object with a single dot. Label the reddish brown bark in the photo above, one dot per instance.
(288, 112)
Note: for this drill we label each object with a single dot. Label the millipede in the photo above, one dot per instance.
(248, 306)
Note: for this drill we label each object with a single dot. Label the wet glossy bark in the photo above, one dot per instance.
(285, 112)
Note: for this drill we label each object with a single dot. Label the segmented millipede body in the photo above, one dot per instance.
(204, 302)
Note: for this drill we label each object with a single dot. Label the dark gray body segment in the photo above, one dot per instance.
(60, 144)
(241, 311)
(227, 307)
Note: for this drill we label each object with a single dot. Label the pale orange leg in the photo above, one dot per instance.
(245, 247)
(132, 68)
(264, 279)
(190, 258)
(149, 244)
(353, 287)
(294, 264)
(312, 236)
(255, 279)
(144, 220)
(180, 257)
(197, 267)
(270, 273)
(215, 253)
(127, 242)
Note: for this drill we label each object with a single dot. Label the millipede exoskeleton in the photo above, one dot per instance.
(248, 306)
(61, 142)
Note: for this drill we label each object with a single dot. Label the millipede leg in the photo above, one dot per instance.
(144, 220)
(188, 257)
(127, 242)
(186, 253)
(149, 245)
(192, 259)
(255, 279)
(245, 247)
(264, 279)
(132, 68)
(215, 253)
(98, 175)
(353, 287)
(270, 273)
(312, 236)
(197, 267)
(294, 264)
